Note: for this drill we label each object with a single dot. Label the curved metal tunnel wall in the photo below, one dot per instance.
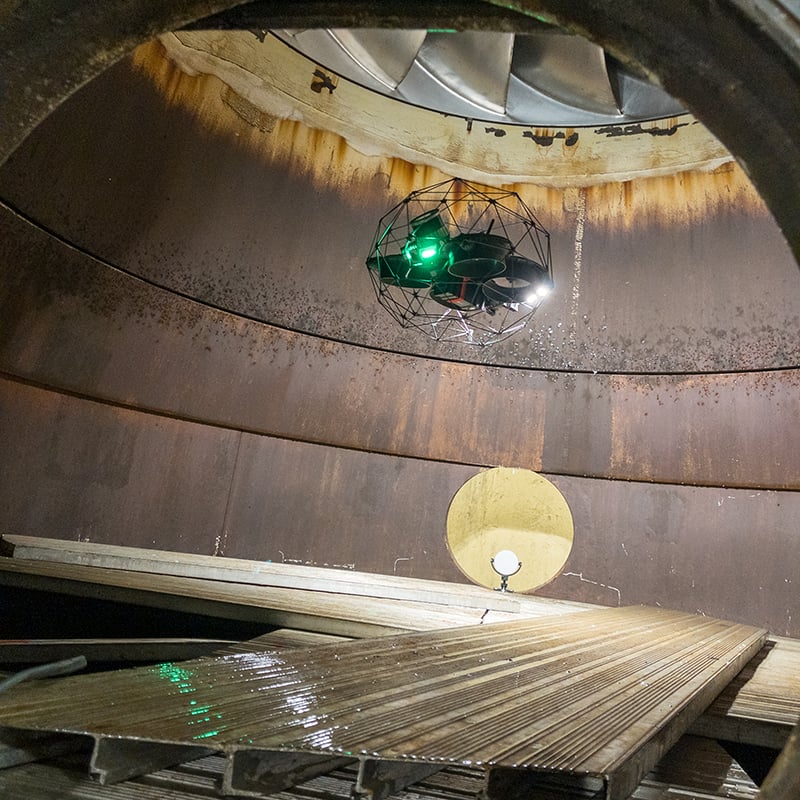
(192, 359)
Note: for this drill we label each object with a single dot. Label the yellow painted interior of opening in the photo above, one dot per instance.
(510, 509)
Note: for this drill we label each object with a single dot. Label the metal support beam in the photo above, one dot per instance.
(115, 760)
(380, 779)
(507, 784)
(254, 773)
(22, 747)
(783, 780)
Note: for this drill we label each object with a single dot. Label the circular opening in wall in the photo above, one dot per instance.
(506, 510)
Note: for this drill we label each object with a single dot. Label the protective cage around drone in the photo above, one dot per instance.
(461, 263)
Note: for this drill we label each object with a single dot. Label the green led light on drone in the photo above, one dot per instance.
(429, 251)
(426, 241)
(423, 252)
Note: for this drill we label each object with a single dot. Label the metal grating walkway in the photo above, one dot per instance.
(589, 700)
(761, 706)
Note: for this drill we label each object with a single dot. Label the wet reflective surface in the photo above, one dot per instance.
(582, 693)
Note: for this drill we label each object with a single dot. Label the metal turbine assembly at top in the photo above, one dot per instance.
(461, 263)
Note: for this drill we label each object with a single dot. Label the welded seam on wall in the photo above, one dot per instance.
(191, 420)
(222, 539)
(577, 263)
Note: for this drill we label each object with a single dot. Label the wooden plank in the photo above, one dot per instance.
(320, 612)
(761, 705)
(40, 651)
(268, 573)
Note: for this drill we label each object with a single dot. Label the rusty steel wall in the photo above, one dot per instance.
(76, 324)
(173, 422)
(93, 471)
(686, 273)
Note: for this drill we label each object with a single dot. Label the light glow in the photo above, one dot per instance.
(428, 252)
(506, 563)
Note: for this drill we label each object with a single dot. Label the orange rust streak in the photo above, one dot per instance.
(677, 200)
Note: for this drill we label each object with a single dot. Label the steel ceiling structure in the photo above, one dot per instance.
(543, 78)
(735, 64)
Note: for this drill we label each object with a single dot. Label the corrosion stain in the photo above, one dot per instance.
(323, 156)
(249, 112)
(682, 199)
(627, 193)
(327, 159)
(545, 137)
(321, 80)
(405, 177)
(637, 129)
